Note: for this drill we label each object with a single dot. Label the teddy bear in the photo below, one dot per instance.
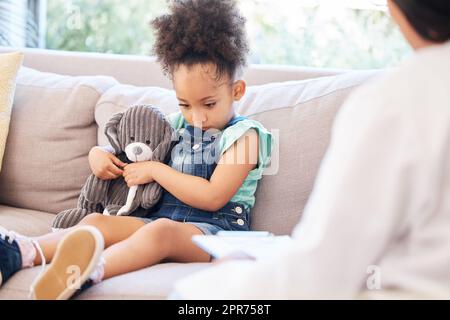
(140, 133)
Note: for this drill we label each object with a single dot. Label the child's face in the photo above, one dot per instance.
(204, 101)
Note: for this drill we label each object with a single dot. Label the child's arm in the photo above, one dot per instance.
(227, 178)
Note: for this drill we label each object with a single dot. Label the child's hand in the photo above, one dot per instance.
(138, 173)
(105, 165)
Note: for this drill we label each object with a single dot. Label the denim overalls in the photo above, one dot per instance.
(197, 153)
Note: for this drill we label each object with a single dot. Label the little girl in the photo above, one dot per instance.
(209, 183)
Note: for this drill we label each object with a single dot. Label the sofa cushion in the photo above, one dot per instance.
(24, 221)
(299, 114)
(120, 97)
(9, 66)
(150, 283)
(52, 130)
(155, 282)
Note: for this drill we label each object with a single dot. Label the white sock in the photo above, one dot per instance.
(98, 272)
(27, 250)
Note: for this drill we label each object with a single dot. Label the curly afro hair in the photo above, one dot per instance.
(202, 31)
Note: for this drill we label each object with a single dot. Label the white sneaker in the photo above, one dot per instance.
(15, 250)
(77, 255)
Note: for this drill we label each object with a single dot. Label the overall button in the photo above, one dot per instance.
(240, 222)
(196, 146)
(238, 210)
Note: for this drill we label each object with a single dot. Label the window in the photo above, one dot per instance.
(324, 33)
(22, 23)
(112, 26)
(355, 34)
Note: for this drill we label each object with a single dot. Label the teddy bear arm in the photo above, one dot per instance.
(95, 190)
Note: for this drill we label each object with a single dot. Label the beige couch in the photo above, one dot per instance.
(57, 117)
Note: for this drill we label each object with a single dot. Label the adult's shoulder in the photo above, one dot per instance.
(423, 73)
(406, 90)
(408, 104)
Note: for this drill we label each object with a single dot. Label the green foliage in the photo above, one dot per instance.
(112, 26)
(280, 32)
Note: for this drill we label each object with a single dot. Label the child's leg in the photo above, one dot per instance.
(113, 229)
(162, 239)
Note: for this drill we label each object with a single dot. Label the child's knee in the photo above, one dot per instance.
(94, 219)
(160, 231)
(161, 227)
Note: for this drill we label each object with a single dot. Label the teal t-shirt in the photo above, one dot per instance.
(246, 193)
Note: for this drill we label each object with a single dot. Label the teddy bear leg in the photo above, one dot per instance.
(68, 218)
(111, 209)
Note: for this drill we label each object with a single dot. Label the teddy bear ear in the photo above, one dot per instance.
(162, 149)
(111, 131)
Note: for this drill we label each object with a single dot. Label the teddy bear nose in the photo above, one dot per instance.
(137, 150)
